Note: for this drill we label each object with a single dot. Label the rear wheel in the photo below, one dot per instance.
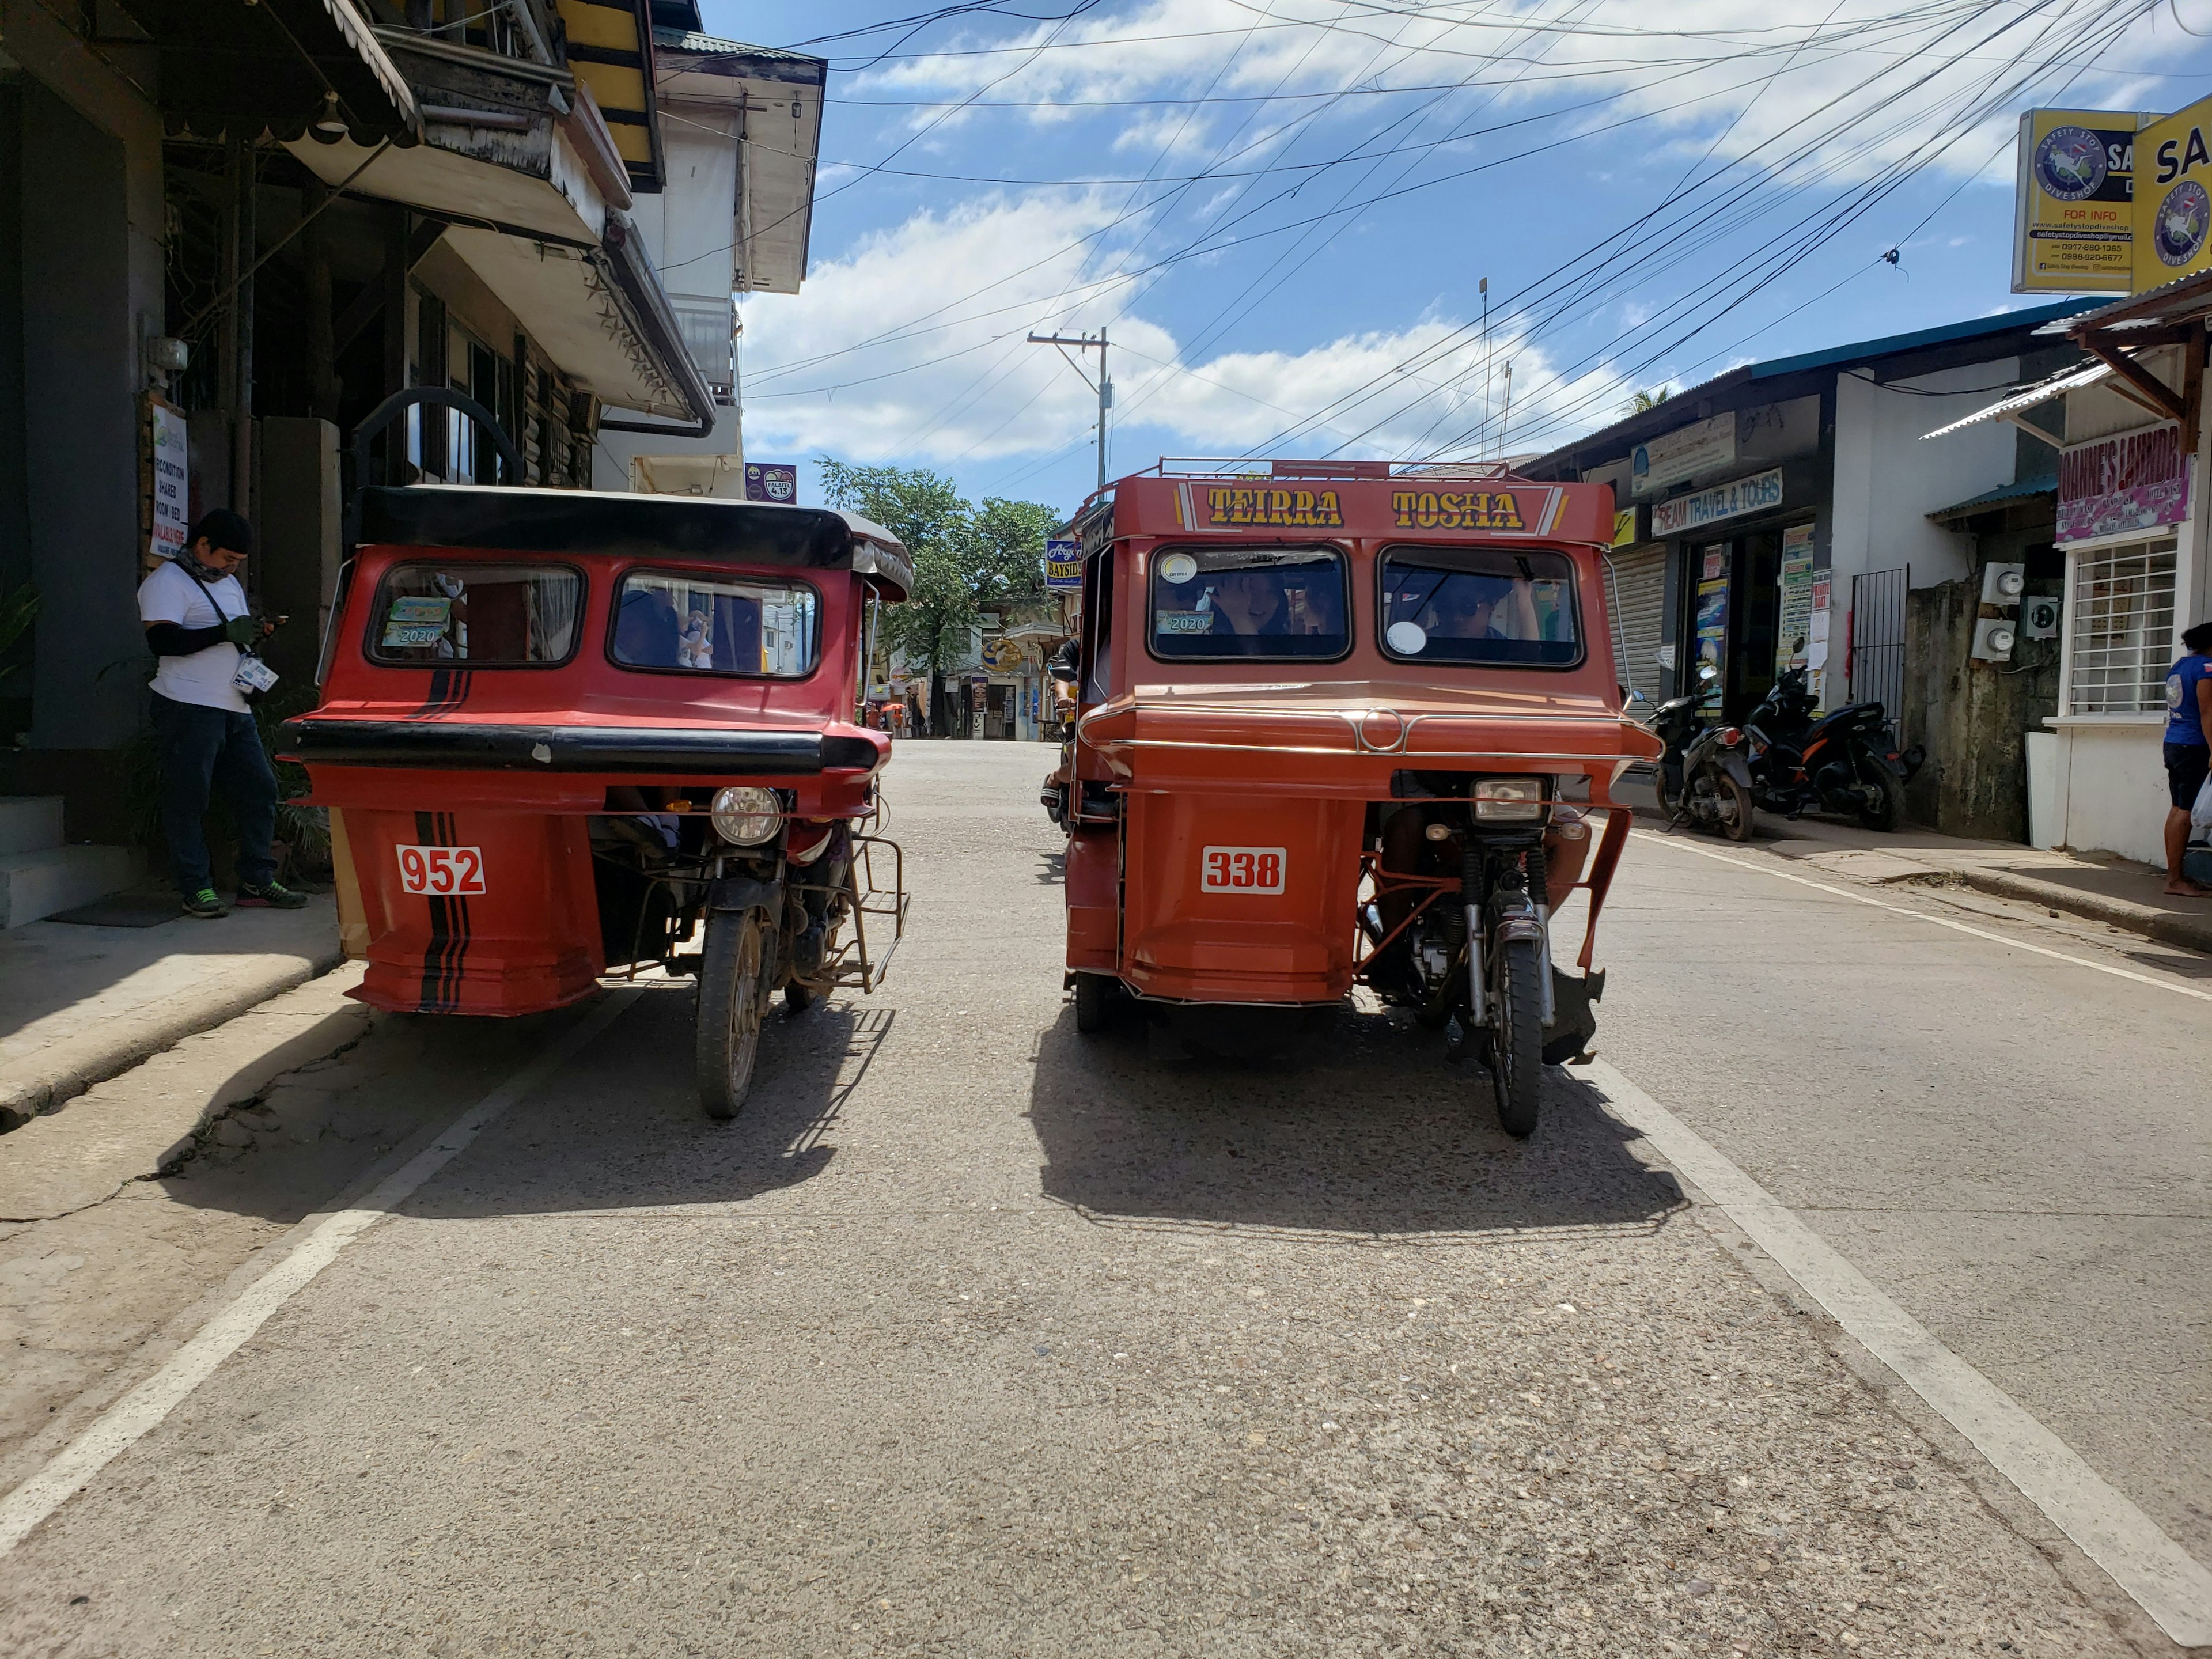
(1096, 995)
(1517, 1037)
(1723, 803)
(1889, 811)
(733, 994)
(1670, 804)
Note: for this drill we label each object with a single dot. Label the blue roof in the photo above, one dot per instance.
(2041, 483)
(2004, 323)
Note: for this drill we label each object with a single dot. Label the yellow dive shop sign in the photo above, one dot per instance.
(2174, 198)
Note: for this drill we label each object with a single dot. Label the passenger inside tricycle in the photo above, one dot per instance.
(1338, 726)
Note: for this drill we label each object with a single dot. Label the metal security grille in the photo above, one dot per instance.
(2121, 622)
(1638, 595)
(1878, 639)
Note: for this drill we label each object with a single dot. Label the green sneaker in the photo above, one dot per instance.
(269, 896)
(205, 903)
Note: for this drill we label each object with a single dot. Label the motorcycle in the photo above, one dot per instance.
(1845, 763)
(1679, 722)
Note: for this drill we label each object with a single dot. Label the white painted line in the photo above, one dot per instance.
(2178, 989)
(121, 1424)
(2169, 1583)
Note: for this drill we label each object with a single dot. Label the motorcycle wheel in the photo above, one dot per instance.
(1096, 997)
(1517, 1038)
(1735, 819)
(733, 994)
(1670, 807)
(1891, 812)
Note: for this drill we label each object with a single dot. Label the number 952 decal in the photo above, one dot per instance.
(441, 871)
(1241, 869)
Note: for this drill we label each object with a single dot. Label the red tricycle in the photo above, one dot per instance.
(562, 733)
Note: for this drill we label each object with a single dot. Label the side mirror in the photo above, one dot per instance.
(1707, 671)
(1638, 708)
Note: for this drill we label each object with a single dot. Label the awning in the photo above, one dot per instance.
(2010, 407)
(2043, 483)
(239, 68)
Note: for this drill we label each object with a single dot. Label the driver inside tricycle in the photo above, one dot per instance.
(1340, 726)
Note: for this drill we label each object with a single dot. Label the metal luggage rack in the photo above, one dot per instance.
(853, 962)
(1245, 467)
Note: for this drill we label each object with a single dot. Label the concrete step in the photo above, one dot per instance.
(37, 884)
(29, 823)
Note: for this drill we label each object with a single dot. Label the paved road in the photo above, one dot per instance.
(975, 1337)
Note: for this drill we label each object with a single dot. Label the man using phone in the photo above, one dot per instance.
(199, 624)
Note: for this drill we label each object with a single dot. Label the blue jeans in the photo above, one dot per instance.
(200, 747)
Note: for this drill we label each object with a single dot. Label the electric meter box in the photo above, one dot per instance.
(2002, 583)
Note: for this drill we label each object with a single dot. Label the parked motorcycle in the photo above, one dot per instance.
(1847, 762)
(1677, 721)
(1716, 784)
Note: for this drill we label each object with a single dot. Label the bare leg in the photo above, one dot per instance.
(2177, 838)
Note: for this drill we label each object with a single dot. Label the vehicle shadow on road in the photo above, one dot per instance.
(1361, 1128)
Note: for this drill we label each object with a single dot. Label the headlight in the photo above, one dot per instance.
(746, 815)
(1509, 801)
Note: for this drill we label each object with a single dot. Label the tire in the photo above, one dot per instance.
(1517, 1038)
(1891, 812)
(1737, 817)
(733, 994)
(1095, 997)
(1671, 804)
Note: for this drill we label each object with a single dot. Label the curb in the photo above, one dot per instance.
(2190, 933)
(45, 1082)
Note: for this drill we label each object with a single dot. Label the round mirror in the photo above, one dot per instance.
(1178, 569)
(1407, 639)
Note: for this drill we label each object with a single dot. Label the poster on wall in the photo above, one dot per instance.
(1793, 625)
(2074, 210)
(1712, 632)
(173, 483)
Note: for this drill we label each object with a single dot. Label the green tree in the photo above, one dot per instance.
(1641, 401)
(964, 556)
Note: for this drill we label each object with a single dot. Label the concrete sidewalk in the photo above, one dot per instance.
(2101, 886)
(81, 1005)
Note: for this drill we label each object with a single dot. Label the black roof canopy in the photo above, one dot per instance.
(580, 522)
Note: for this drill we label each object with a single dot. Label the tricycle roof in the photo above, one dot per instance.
(582, 523)
(1371, 500)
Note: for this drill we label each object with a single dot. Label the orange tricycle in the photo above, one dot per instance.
(1341, 724)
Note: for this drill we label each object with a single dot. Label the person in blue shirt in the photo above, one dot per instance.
(2188, 752)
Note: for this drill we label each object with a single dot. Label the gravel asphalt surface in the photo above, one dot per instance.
(972, 1336)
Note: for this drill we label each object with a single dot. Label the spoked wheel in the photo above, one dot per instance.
(733, 994)
(1517, 1037)
(1097, 996)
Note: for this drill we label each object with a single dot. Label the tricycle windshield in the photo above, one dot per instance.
(1500, 607)
(1266, 602)
(488, 616)
(758, 627)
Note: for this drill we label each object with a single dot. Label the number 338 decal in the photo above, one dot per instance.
(441, 870)
(1242, 869)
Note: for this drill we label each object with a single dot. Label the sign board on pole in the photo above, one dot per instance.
(769, 481)
(2173, 208)
(173, 492)
(2074, 215)
(1063, 567)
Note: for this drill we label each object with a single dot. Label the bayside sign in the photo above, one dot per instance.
(1756, 494)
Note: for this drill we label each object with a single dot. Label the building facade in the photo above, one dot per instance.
(1786, 513)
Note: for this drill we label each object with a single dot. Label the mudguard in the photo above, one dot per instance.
(746, 893)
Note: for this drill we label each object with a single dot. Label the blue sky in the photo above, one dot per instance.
(1281, 211)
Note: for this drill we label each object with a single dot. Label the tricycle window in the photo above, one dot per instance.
(1486, 605)
(488, 616)
(756, 627)
(1267, 602)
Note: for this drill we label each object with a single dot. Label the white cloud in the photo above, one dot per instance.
(857, 365)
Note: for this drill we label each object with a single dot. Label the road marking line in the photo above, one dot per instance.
(2169, 1583)
(117, 1428)
(1921, 915)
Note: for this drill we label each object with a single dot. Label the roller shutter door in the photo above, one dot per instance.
(1639, 602)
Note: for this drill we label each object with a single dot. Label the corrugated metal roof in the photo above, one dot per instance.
(2043, 483)
(2066, 380)
(1974, 328)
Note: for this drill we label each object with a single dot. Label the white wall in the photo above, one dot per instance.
(1888, 481)
(2112, 787)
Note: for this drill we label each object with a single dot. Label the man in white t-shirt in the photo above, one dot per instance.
(196, 622)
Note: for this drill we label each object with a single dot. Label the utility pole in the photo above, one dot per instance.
(1105, 388)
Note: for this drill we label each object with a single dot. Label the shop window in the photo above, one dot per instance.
(2120, 630)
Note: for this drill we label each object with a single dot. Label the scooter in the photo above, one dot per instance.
(1845, 763)
(1677, 721)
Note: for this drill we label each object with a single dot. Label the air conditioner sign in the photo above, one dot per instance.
(1756, 494)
